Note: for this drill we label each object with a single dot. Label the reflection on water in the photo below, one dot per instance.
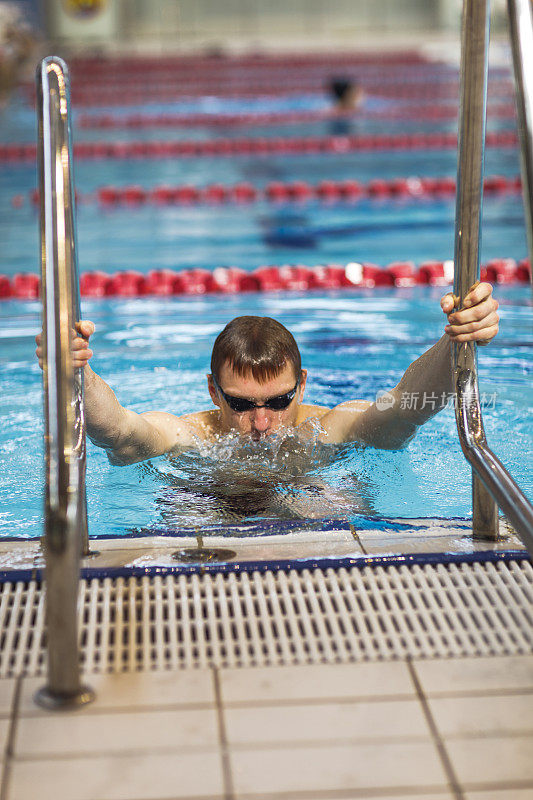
(236, 479)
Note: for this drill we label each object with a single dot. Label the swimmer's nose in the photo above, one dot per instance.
(260, 420)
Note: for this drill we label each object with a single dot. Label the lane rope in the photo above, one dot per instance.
(13, 153)
(286, 278)
(329, 191)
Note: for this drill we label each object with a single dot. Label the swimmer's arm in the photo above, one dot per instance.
(422, 392)
(427, 384)
(128, 437)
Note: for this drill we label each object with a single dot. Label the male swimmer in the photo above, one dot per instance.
(257, 385)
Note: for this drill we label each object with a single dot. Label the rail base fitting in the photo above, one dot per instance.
(53, 701)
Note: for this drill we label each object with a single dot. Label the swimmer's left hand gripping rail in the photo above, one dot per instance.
(66, 535)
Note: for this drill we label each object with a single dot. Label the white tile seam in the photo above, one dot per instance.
(251, 747)
(436, 738)
(122, 710)
(467, 693)
(305, 702)
(9, 752)
(493, 786)
(223, 747)
(488, 735)
(344, 741)
(134, 752)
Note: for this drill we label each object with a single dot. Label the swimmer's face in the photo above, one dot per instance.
(260, 421)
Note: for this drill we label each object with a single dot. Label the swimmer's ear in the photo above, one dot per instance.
(303, 381)
(212, 390)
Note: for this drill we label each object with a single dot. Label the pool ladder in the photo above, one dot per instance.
(492, 486)
(66, 532)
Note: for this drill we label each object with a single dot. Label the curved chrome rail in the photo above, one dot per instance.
(66, 533)
(492, 484)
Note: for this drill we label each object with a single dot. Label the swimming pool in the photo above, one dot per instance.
(354, 343)
(155, 354)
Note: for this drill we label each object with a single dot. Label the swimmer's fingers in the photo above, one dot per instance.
(85, 328)
(477, 320)
(81, 352)
(481, 332)
(39, 348)
(477, 293)
(447, 303)
(481, 312)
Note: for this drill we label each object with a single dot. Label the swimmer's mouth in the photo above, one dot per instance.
(258, 436)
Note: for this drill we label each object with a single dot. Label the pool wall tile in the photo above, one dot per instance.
(483, 716)
(484, 674)
(342, 768)
(491, 763)
(327, 722)
(330, 682)
(7, 690)
(131, 777)
(104, 734)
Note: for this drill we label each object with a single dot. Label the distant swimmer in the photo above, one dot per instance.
(347, 94)
(257, 386)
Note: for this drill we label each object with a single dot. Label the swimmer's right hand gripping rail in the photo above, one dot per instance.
(492, 486)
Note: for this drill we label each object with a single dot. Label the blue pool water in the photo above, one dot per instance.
(155, 353)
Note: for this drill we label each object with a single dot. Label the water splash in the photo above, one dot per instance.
(235, 478)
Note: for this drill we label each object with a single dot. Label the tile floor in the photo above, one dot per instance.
(447, 729)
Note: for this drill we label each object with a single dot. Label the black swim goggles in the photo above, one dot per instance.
(241, 404)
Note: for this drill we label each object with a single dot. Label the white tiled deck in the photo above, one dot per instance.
(435, 729)
(409, 728)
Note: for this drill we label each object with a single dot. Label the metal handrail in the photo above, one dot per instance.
(66, 532)
(521, 32)
(492, 484)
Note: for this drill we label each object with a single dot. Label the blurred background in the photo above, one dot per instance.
(156, 26)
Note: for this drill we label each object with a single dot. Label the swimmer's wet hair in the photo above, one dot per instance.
(257, 346)
(339, 87)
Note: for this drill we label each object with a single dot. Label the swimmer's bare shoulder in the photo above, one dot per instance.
(336, 422)
(306, 411)
(172, 434)
(204, 425)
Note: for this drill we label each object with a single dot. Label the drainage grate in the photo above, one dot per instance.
(281, 618)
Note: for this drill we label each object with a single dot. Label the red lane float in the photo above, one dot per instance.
(436, 273)
(25, 286)
(523, 271)
(260, 146)
(288, 277)
(279, 192)
(500, 270)
(5, 287)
